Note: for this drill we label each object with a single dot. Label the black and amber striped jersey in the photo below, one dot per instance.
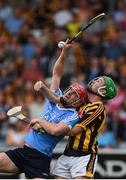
(93, 116)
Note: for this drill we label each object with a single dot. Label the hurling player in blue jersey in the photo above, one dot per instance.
(34, 158)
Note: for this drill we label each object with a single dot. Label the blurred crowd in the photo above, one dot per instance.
(29, 33)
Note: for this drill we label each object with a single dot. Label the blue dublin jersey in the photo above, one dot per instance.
(45, 142)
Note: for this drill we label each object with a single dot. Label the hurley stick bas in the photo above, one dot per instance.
(17, 113)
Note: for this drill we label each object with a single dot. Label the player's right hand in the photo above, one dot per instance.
(67, 46)
(34, 121)
(36, 126)
(38, 85)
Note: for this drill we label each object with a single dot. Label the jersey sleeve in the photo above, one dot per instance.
(71, 119)
(58, 92)
(90, 115)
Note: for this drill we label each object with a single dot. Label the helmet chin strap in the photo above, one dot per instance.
(64, 103)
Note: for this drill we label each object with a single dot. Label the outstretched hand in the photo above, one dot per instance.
(67, 46)
(38, 85)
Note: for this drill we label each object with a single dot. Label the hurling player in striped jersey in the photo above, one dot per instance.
(80, 155)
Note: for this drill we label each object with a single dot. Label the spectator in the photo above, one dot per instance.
(112, 45)
(120, 15)
(36, 106)
(15, 22)
(6, 10)
(94, 68)
(121, 131)
(63, 16)
(106, 138)
(18, 130)
(28, 48)
(32, 72)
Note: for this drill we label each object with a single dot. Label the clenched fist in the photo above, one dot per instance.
(38, 85)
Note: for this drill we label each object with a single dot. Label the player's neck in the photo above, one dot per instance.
(94, 98)
(61, 106)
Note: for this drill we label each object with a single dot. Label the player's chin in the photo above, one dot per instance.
(73, 104)
(77, 105)
(68, 105)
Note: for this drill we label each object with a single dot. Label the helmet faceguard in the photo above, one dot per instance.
(82, 96)
(108, 85)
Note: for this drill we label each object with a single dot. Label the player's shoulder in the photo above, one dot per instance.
(91, 106)
(94, 104)
(58, 91)
(70, 111)
(66, 111)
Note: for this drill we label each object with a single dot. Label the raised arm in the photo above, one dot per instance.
(58, 68)
(56, 77)
(48, 93)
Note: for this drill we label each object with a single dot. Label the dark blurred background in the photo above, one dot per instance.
(29, 33)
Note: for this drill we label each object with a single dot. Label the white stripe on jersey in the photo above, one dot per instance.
(73, 117)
